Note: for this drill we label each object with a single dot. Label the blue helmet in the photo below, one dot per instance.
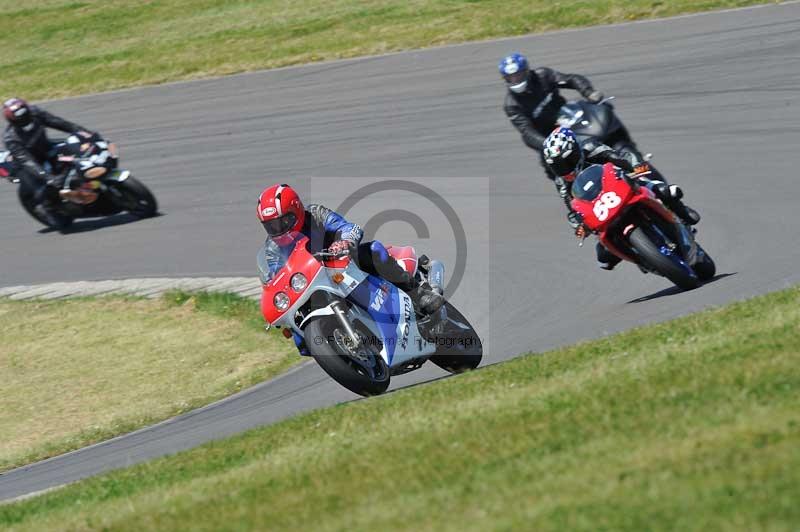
(514, 69)
(563, 153)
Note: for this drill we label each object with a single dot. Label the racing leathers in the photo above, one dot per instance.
(31, 150)
(534, 112)
(594, 153)
(324, 227)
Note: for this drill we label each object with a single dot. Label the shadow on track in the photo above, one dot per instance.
(82, 226)
(674, 290)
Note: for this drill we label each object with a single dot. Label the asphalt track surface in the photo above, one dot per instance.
(713, 96)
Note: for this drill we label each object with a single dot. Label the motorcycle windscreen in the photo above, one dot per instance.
(588, 184)
(599, 118)
(272, 257)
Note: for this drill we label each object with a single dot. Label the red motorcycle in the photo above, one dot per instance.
(635, 226)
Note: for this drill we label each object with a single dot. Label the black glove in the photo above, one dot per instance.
(562, 186)
(88, 135)
(595, 97)
(575, 219)
(641, 169)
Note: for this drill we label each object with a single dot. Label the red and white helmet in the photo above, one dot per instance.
(281, 213)
(17, 112)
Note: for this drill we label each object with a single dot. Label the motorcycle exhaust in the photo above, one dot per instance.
(436, 276)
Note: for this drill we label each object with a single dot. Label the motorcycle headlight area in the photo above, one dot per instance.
(299, 282)
(281, 301)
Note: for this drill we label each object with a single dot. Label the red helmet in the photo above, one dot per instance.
(280, 211)
(17, 112)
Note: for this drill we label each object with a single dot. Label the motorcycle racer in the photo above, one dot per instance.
(25, 137)
(533, 100)
(566, 157)
(283, 215)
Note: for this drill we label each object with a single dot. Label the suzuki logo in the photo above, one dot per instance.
(407, 326)
(380, 297)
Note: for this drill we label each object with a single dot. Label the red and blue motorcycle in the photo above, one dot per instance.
(635, 226)
(359, 328)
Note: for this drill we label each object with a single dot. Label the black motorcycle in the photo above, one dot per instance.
(598, 122)
(93, 185)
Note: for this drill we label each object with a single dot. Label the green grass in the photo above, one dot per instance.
(57, 48)
(80, 371)
(692, 424)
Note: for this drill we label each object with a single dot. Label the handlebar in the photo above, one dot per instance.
(631, 178)
(325, 254)
(637, 175)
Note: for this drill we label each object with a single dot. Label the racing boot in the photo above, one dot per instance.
(300, 343)
(425, 299)
(47, 215)
(605, 258)
(671, 196)
(47, 200)
(685, 213)
(48, 212)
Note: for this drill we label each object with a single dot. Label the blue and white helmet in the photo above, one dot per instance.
(562, 152)
(514, 69)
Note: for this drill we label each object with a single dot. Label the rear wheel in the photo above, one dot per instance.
(652, 256)
(458, 349)
(360, 369)
(136, 198)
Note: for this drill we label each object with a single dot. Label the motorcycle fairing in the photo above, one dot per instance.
(378, 304)
(589, 120)
(6, 164)
(380, 300)
(611, 183)
(351, 277)
(631, 198)
(300, 261)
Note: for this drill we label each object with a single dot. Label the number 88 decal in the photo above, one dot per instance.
(602, 206)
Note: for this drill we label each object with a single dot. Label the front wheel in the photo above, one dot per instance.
(29, 204)
(135, 198)
(360, 369)
(652, 256)
(458, 348)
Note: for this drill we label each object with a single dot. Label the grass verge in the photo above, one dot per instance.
(692, 424)
(79, 371)
(65, 47)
